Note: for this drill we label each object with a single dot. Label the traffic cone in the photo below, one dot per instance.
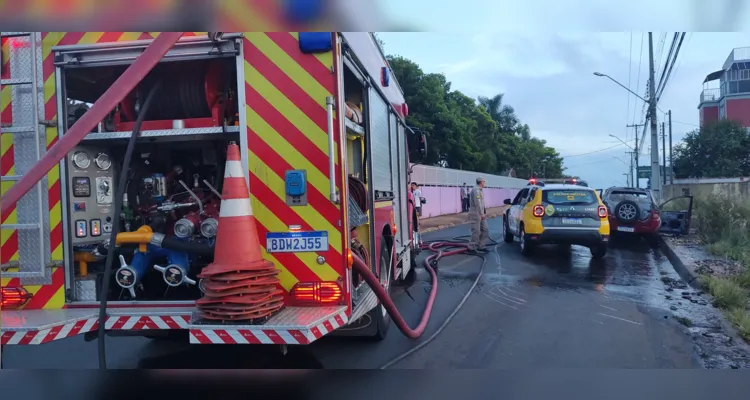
(240, 284)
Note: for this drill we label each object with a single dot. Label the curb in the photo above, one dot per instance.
(692, 280)
(444, 226)
(690, 277)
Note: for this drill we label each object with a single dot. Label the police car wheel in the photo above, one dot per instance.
(599, 251)
(526, 247)
(507, 234)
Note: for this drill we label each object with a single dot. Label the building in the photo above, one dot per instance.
(731, 99)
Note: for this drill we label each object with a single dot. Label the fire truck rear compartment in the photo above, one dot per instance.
(173, 189)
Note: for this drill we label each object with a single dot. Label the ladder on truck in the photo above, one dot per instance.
(22, 77)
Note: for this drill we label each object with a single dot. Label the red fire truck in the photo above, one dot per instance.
(320, 123)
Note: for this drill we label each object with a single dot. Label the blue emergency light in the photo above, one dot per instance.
(385, 76)
(295, 183)
(303, 11)
(315, 42)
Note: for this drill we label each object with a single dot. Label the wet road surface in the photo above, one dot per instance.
(558, 308)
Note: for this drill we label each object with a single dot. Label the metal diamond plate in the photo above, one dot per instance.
(368, 301)
(162, 133)
(33, 247)
(85, 289)
(288, 318)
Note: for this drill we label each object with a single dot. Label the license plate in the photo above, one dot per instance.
(572, 221)
(293, 242)
(625, 229)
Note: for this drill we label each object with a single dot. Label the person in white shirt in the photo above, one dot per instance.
(464, 198)
(417, 198)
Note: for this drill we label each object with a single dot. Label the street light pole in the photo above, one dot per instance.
(655, 173)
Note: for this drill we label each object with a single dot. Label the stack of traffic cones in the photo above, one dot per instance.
(239, 285)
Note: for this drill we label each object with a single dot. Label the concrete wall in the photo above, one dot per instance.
(735, 187)
(447, 200)
(441, 187)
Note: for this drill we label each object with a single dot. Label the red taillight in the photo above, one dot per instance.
(315, 293)
(11, 298)
(538, 211)
(602, 212)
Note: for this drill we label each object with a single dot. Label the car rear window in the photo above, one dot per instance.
(569, 196)
(617, 196)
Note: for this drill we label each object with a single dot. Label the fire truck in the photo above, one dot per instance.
(319, 120)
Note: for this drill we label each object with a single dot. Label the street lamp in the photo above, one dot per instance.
(621, 85)
(622, 141)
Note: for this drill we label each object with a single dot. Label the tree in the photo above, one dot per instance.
(716, 150)
(482, 135)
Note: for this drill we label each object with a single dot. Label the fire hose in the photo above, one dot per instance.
(440, 249)
(116, 227)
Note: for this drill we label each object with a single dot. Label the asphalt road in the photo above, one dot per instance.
(558, 308)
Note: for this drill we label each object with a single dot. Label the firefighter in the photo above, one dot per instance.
(478, 216)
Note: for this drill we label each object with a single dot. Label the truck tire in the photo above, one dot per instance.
(381, 321)
(411, 276)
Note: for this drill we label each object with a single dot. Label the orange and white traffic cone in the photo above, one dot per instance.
(239, 285)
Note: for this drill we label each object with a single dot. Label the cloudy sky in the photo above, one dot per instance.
(544, 65)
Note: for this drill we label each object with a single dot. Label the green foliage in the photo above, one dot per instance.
(463, 133)
(715, 150)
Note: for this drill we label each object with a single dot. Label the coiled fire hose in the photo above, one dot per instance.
(440, 248)
(116, 226)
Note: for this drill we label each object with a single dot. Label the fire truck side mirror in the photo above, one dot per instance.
(422, 145)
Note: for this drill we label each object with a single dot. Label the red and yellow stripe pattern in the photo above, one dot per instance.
(285, 103)
(285, 94)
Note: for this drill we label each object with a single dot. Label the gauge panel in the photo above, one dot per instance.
(81, 160)
(90, 194)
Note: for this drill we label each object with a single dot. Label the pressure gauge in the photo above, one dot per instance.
(81, 160)
(103, 162)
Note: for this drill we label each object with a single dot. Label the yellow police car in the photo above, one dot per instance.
(557, 214)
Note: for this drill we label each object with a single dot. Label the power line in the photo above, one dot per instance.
(595, 151)
(669, 72)
(630, 75)
(663, 74)
(588, 163)
(677, 67)
(638, 81)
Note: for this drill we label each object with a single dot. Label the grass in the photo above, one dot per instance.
(723, 224)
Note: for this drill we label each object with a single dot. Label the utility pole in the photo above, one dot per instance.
(632, 176)
(655, 173)
(671, 160)
(664, 153)
(635, 152)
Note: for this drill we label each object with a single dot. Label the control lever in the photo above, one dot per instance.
(193, 195)
(126, 277)
(174, 275)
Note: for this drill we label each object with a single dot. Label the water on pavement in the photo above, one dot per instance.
(557, 308)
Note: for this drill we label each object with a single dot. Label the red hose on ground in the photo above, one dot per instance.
(385, 299)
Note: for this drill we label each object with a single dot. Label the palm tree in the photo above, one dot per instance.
(503, 114)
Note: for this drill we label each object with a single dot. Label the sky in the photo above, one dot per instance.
(544, 65)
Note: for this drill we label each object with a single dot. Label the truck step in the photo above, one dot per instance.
(292, 325)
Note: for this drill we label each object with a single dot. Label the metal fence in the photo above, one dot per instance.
(427, 175)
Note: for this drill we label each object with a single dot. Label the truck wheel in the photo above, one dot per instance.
(526, 247)
(381, 321)
(507, 234)
(411, 276)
